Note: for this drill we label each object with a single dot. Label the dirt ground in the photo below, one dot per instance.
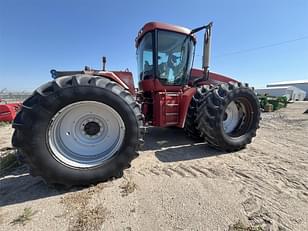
(176, 184)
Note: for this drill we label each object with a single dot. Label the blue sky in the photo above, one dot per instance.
(36, 36)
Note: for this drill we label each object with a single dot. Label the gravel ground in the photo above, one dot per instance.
(178, 185)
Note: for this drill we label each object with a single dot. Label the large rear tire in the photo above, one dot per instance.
(78, 130)
(228, 116)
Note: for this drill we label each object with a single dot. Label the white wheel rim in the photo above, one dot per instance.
(85, 134)
(231, 117)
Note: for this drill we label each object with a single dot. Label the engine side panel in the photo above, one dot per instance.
(214, 78)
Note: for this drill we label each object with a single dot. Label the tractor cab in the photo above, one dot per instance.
(164, 55)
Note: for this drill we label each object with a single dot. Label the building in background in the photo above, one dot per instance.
(301, 84)
(292, 93)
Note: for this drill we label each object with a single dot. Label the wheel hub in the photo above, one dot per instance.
(225, 116)
(231, 117)
(92, 128)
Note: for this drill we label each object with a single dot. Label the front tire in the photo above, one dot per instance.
(228, 116)
(78, 130)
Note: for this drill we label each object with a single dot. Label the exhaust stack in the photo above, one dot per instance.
(104, 60)
(207, 49)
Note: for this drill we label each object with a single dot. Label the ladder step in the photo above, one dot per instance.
(172, 104)
(172, 114)
(172, 94)
(171, 123)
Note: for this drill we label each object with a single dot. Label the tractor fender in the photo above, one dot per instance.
(114, 77)
(127, 78)
(184, 105)
(127, 83)
(123, 78)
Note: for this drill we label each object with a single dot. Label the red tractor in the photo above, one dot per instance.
(86, 126)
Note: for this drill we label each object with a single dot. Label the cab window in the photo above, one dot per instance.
(145, 58)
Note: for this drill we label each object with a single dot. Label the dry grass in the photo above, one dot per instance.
(239, 226)
(127, 187)
(25, 217)
(80, 214)
(2, 123)
(89, 219)
(77, 200)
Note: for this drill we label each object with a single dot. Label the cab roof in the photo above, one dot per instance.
(163, 26)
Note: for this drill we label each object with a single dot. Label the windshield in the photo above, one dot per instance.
(174, 57)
